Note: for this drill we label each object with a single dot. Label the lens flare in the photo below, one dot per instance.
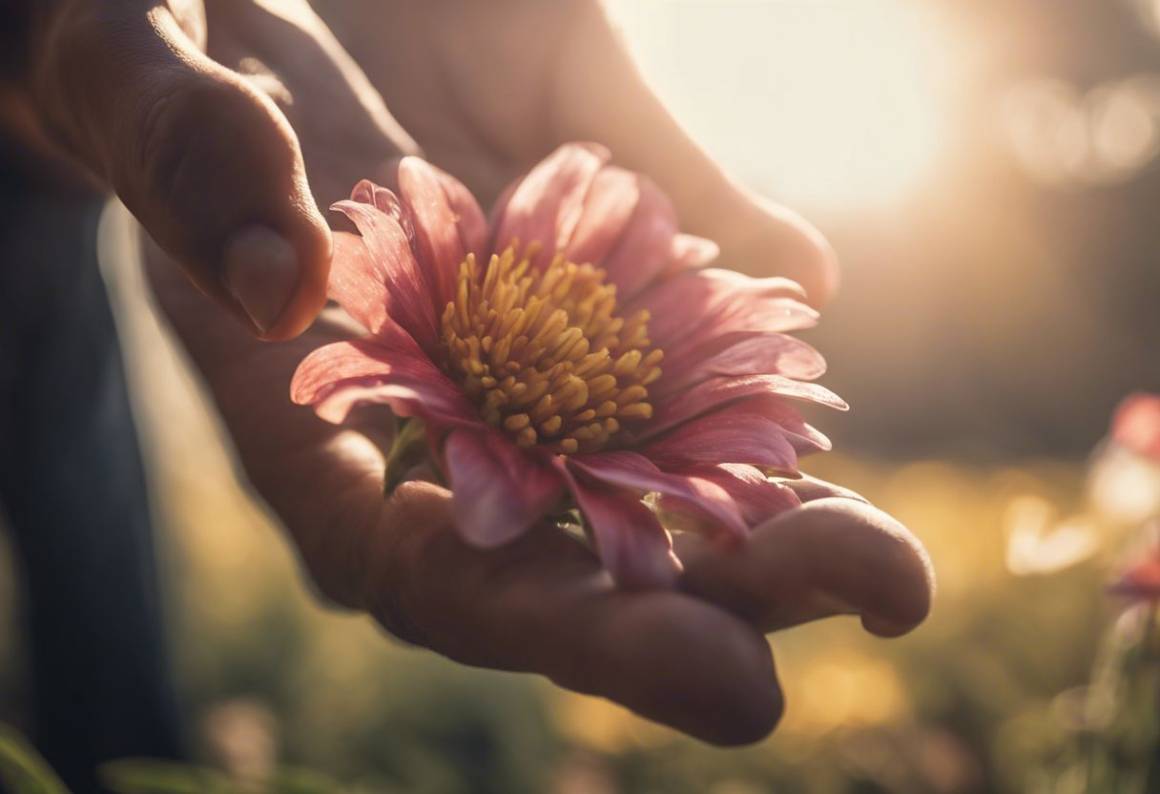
(828, 106)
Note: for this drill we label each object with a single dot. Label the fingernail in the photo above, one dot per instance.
(261, 272)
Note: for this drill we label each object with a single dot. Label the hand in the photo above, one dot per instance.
(205, 160)
(694, 659)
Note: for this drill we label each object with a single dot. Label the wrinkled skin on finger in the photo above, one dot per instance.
(285, 50)
(124, 94)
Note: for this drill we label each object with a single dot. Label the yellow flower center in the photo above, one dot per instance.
(543, 353)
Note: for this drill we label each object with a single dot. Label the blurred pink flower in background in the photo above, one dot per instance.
(1141, 580)
(1136, 424)
(241, 735)
(1133, 457)
(575, 345)
(1125, 476)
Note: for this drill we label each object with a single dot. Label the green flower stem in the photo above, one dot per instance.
(408, 450)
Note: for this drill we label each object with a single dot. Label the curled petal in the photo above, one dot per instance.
(715, 393)
(629, 228)
(390, 269)
(737, 354)
(499, 491)
(645, 248)
(331, 364)
(357, 284)
(725, 437)
(338, 377)
(768, 286)
(758, 496)
(694, 306)
(805, 437)
(545, 206)
(631, 542)
(690, 252)
(633, 471)
(379, 197)
(469, 219)
(438, 225)
(608, 207)
(405, 398)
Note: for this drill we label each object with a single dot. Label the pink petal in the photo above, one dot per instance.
(749, 314)
(805, 437)
(391, 269)
(690, 252)
(379, 197)
(715, 393)
(771, 286)
(439, 242)
(737, 354)
(404, 398)
(759, 497)
(469, 217)
(725, 437)
(634, 471)
(546, 205)
(700, 304)
(608, 207)
(356, 284)
(331, 364)
(338, 377)
(499, 491)
(631, 542)
(499, 206)
(645, 249)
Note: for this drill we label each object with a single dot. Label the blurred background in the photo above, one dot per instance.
(987, 172)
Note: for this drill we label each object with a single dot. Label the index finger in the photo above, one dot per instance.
(207, 163)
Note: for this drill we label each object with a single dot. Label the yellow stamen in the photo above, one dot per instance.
(544, 354)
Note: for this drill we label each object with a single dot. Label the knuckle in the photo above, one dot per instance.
(203, 148)
(181, 120)
(75, 42)
(92, 58)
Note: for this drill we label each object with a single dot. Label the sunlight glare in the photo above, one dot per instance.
(830, 105)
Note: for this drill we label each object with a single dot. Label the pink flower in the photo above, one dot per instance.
(1136, 424)
(1141, 580)
(576, 346)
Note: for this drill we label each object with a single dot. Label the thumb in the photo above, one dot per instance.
(207, 164)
